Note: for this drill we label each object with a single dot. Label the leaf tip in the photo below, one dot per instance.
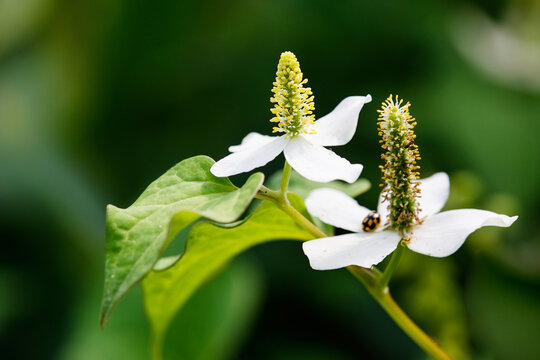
(105, 312)
(102, 320)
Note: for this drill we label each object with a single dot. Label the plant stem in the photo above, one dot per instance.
(408, 326)
(156, 345)
(286, 207)
(268, 192)
(301, 220)
(383, 297)
(285, 181)
(375, 282)
(385, 278)
(281, 200)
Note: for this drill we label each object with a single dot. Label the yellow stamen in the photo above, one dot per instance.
(293, 109)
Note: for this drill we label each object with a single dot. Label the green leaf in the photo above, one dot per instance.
(302, 186)
(208, 249)
(136, 236)
(218, 319)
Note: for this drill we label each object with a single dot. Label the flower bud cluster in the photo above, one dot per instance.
(293, 109)
(399, 172)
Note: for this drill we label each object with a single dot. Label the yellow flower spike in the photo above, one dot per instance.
(293, 109)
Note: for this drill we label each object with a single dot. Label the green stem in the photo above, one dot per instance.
(286, 207)
(382, 295)
(375, 282)
(156, 345)
(285, 181)
(385, 278)
(301, 220)
(264, 191)
(409, 327)
(281, 200)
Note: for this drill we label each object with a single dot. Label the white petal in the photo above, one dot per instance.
(434, 192)
(319, 164)
(382, 209)
(362, 249)
(249, 158)
(252, 139)
(336, 208)
(338, 127)
(442, 234)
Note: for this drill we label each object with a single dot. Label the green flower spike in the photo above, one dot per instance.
(399, 172)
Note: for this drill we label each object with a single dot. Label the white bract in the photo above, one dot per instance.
(305, 152)
(438, 234)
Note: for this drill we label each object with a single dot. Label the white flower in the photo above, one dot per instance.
(305, 152)
(438, 234)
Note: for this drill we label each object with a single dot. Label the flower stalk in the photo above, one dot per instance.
(389, 270)
(383, 297)
(285, 180)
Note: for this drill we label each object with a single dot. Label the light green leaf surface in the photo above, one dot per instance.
(136, 236)
(208, 249)
(213, 325)
(302, 186)
(217, 320)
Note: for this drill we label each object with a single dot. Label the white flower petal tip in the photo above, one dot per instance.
(443, 234)
(251, 140)
(249, 158)
(362, 249)
(316, 163)
(336, 208)
(339, 126)
(508, 221)
(367, 99)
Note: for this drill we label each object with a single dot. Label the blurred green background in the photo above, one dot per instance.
(98, 98)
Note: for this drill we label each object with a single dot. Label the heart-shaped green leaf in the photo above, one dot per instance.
(208, 249)
(136, 236)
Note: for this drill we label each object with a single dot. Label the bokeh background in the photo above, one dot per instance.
(98, 98)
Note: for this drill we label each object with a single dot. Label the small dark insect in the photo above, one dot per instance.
(371, 222)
